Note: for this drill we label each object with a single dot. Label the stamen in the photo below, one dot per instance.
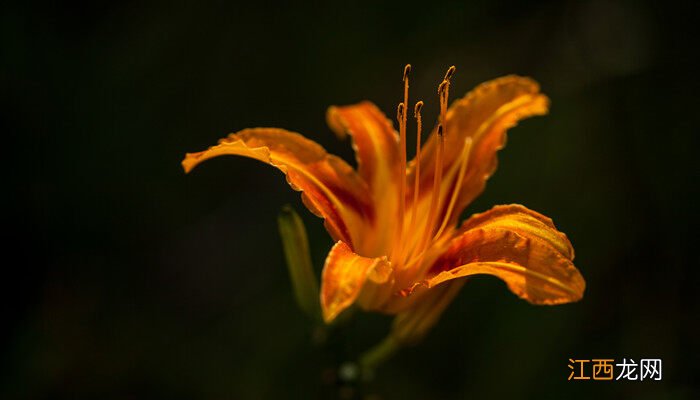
(419, 251)
(416, 180)
(402, 164)
(464, 157)
(419, 255)
(443, 93)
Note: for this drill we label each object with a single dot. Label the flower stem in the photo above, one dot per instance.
(379, 354)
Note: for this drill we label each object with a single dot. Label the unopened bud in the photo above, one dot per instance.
(296, 251)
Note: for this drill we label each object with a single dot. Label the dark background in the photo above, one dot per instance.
(124, 278)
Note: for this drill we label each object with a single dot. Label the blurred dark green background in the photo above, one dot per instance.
(126, 279)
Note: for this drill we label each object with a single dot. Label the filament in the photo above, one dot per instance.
(416, 180)
(464, 160)
(435, 195)
(443, 93)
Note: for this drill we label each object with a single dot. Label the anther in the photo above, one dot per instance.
(399, 112)
(416, 110)
(406, 71)
(450, 72)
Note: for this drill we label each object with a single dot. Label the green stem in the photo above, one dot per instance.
(379, 354)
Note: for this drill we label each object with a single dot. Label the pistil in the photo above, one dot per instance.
(401, 117)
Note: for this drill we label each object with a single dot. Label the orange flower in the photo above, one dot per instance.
(398, 248)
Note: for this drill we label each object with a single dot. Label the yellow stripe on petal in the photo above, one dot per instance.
(519, 246)
(347, 277)
(330, 188)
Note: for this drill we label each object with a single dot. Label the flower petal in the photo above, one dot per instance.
(484, 115)
(376, 147)
(348, 277)
(518, 245)
(330, 188)
(375, 141)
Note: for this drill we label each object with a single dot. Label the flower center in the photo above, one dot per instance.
(403, 255)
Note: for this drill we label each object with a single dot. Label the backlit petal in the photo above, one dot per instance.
(484, 114)
(330, 188)
(521, 247)
(348, 277)
(376, 147)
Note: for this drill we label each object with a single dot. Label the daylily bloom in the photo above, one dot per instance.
(398, 246)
